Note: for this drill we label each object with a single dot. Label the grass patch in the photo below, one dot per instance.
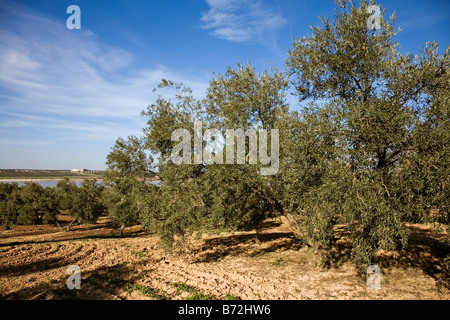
(195, 294)
(230, 297)
(141, 254)
(201, 296)
(278, 261)
(182, 287)
(146, 291)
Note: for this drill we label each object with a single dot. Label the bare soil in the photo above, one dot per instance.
(34, 262)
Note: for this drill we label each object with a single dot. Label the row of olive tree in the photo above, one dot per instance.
(29, 204)
(371, 156)
(33, 204)
(84, 203)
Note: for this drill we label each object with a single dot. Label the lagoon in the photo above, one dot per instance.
(51, 183)
(46, 183)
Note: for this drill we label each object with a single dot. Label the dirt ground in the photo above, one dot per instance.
(34, 262)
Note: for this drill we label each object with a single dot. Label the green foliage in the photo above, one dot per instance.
(242, 98)
(29, 204)
(128, 169)
(66, 191)
(230, 297)
(211, 197)
(9, 204)
(277, 261)
(121, 207)
(84, 203)
(364, 157)
(367, 150)
(182, 287)
(194, 294)
(38, 204)
(146, 291)
(237, 197)
(425, 168)
(165, 116)
(50, 206)
(87, 203)
(201, 296)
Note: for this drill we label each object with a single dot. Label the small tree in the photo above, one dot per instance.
(9, 204)
(87, 203)
(128, 169)
(65, 191)
(50, 206)
(39, 205)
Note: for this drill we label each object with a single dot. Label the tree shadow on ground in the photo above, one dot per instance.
(249, 244)
(74, 236)
(31, 267)
(103, 283)
(425, 250)
(30, 233)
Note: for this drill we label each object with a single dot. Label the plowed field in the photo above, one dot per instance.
(34, 262)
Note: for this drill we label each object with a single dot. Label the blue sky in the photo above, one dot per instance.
(66, 95)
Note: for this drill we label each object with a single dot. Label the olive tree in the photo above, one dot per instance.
(200, 195)
(38, 204)
(9, 204)
(348, 151)
(87, 203)
(128, 172)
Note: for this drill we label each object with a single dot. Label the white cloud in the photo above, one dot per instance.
(66, 73)
(69, 81)
(242, 20)
(65, 95)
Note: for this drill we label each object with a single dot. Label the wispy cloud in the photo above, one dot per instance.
(70, 75)
(69, 72)
(63, 91)
(241, 20)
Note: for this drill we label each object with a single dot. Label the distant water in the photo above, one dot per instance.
(43, 183)
(53, 183)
